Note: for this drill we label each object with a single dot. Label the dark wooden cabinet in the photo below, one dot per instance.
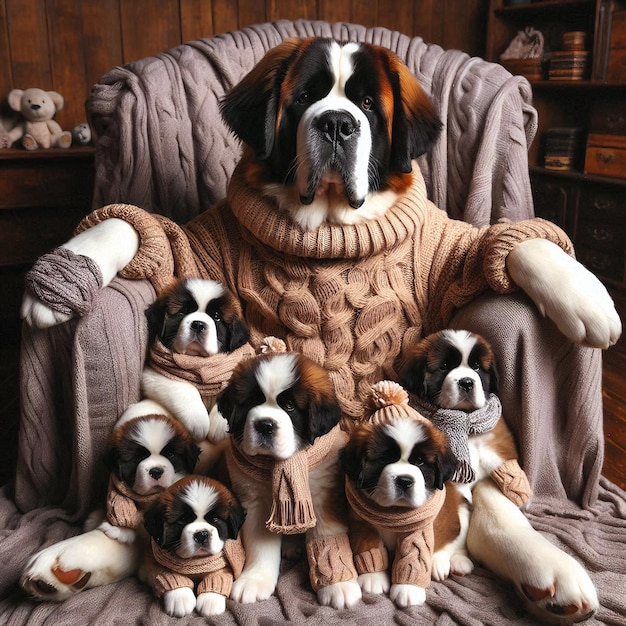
(587, 195)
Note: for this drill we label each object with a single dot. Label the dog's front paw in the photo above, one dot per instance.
(407, 595)
(559, 591)
(374, 582)
(218, 426)
(461, 564)
(39, 315)
(441, 566)
(124, 535)
(566, 292)
(210, 603)
(251, 587)
(343, 595)
(179, 602)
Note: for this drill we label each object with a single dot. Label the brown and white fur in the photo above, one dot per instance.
(192, 317)
(192, 519)
(334, 130)
(276, 405)
(455, 369)
(148, 453)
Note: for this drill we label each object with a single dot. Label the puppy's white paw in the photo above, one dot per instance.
(461, 564)
(566, 292)
(39, 315)
(210, 604)
(179, 602)
(441, 566)
(343, 595)
(374, 582)
(407, 595)
(125, 535)
(252, 587)
(218, 426)
(82, 562)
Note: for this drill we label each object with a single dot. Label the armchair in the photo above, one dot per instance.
(162, 146)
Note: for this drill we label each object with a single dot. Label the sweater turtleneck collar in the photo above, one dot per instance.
(274, 228)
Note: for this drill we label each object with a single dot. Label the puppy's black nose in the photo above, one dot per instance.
(404, 482)
(156, 472)
(265, 427)
(201, 536)
(336, 126)
(197, 326)
(466, 384)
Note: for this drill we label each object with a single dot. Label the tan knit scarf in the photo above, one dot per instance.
(292, 507)
(124, 506)
(209, 374)
(415, 536)
(458, 426)
(231, 555)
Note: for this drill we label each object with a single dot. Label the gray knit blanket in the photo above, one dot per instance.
(79, 377)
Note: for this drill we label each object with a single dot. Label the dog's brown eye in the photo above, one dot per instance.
(476, 366)
(303, 97)
(367, 103)
(216, 315)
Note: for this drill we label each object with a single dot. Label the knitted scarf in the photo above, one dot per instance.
(209, 374)
(458, 425)
(292, 507)
(414, 530)
(124, 506)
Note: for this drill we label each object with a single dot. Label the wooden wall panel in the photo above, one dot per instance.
(67, 45)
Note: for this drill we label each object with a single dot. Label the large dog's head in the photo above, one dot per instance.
(278, 403)
(451, 369)
(197, 317)
(334, 128)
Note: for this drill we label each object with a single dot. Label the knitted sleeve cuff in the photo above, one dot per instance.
(217, 582)
(371, 561)
(502, 238)
(154, 257)
(122, 511)
(168, 581)
(330, 561)
(513, 482)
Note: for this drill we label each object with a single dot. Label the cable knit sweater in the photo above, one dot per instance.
(349, 297)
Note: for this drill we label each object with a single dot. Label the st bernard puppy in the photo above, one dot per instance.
(455, 369)
(283, 462)
(193, 556)
(147, 454)
(195, 318)
(396, 463)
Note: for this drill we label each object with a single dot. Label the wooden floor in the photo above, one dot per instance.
(614, 395)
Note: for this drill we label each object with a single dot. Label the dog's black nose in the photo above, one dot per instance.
(265, 427)
(197, 326)
(201, 536)
(156, 472)
(336, 126)
(466, 384)
(404, 482)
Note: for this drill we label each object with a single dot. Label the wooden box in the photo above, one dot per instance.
(606, 155)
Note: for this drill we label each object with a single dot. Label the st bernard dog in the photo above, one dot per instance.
(147, 454)
(455, 369)
(192, 318)
(283, 462)
(193, 555)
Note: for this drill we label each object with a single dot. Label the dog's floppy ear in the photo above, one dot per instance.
(236, 518)
(445, 467)
(191, 454)
(354, 458)
(154, 523)
(494, 379)
(155, 314)
(412, 372)
(250, 109)
(239, 334)
(415, 125)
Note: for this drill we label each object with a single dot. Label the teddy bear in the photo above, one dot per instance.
(38, 129)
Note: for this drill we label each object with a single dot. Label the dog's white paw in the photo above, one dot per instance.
(461, 564)
(252, 587)
(218, 426)
(210, 603)
(441, 566)
(82, 562)
(404, 596)
(343, 595)
(125, 535)
(566, 292)
(374, 582)
(39, 315)
(179, 602)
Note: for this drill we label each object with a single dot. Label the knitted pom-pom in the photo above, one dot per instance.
(272, 344)
(387, 393)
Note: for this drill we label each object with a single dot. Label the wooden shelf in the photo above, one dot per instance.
(577, 175)
(547, 6)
